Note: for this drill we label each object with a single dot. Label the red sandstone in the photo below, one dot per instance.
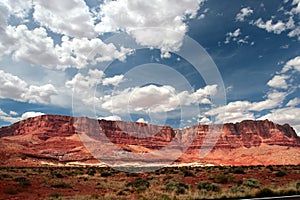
(57, 139)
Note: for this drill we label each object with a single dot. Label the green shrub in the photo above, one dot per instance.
(125, 191)
(204, 185)
(164, 197)
(11, 191)
(252, 183)
(222, 178)
(23, 181)
(270, 167)
(55, 195)
(298, 185)
(139, 184)
(167, 177)
(237, 189)
(132, 174)
(187, 172)
(95, 196)
(238, 170)
(58, 175)
(141, 188)
(106, 174)
(98, 187)
(280, 174)
(92, 172)
(265, 192)
(178, 187)
(288, 192)
(5, 176)
(239, 182)
(61, 185)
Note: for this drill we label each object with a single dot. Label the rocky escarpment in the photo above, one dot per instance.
(244, 134)
(254, 133)
(59, 138)
(45, 126)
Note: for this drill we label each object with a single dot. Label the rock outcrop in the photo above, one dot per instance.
(60, 139)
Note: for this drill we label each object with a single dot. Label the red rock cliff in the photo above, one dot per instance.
(56, 137)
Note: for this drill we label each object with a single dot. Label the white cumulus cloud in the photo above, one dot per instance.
(36, 47)
(79, 53)
(111, 118)
(142, 120)
(278, 81)
(7, 117)
(18, 8)
(204, 120)
(292, 64)
(235, 36)
(274, 99)
(232, 112)
(84, 85)
(269, 26)
(245, 12)
(29, 114)
(70, 17)
(241, 110)
(279, 26)
(293, 102)
(13, 87)
(297, 8)
(288, 115)
(116, 80)
(159, 24)
(11, 118)
(155, 99)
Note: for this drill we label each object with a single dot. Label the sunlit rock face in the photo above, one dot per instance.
(57, 139)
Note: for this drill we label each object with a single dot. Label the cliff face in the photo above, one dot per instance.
(254, 133)
(57, 138)
(46, 126)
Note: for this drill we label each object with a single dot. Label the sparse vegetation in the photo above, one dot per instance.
(223, 178)
(238, 170)
(23, 181)
(187, 172)
(298, 185)
(55, 195)
(140, 184)
(265, 192)
(92, 172)
(106, 174)
(5, 176)
(177, 187)
(280, 174)
(236, 189)
(59, 175)
(95, 196)
(252, 183)
(11, 191)
(166, 183)
(204, 185)
(61, 185)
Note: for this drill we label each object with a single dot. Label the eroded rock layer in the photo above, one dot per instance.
(61, 139)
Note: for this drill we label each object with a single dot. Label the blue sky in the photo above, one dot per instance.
(165, 62)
